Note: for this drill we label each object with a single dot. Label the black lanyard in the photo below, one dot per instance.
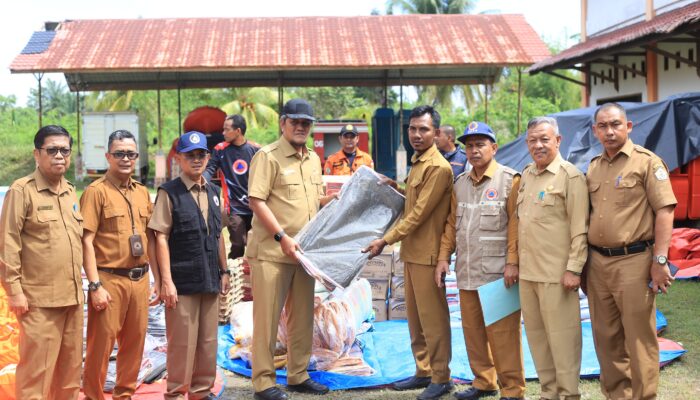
(131, 215)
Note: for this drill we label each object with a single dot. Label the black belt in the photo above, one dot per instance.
(633, 248)
(134, 274)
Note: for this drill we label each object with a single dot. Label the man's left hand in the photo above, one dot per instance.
(571, 281)
(661, 277)
(510, 275)
(155, 294)
(225, 283)
(375, 248)
(441, 269)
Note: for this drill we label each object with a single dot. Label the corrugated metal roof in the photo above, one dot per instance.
(657, 28)
(220, 46)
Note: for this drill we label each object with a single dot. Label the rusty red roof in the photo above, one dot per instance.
(663, 25)
(287, 43)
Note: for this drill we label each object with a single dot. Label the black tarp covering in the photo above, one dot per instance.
(670, 128)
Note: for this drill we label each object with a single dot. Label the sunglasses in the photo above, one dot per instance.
(196, 156)
(119, 155)
(52, 151)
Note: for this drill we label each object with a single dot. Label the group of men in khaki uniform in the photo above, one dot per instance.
(538, 230)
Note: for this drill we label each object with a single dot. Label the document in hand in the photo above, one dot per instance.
(332, 241)
(497, 301)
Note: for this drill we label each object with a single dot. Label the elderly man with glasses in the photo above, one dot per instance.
(40, 259)
(116, 209)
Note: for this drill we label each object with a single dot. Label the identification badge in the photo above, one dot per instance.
(136, 245)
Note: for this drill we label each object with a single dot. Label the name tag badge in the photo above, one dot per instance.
(136, 245)
(43, 208)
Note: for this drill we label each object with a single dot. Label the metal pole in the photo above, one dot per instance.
(41, 107)
(77, 118)
(520, 95)
(486, 104)
(160, 122)
(179, 111)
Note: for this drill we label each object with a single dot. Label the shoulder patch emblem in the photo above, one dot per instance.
(491, 193)
(660, 173)
(239, 167)
(216, 201)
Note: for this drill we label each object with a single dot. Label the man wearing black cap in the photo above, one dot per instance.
(349, 158)
(285, 193)
(483, 228)
(455, 155)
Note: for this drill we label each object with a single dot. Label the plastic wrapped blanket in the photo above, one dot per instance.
(333, 240)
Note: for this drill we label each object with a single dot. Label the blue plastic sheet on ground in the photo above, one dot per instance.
(387, 350)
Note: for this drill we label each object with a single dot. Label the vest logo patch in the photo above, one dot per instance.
(491, 193)
(216, 201)
(239, 167)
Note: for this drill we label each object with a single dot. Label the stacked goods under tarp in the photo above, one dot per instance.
(9, 347)
(338, 319)
(378, 272)
(684, 252)
(332, 241)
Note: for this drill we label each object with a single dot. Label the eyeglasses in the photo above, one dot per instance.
(196, 156)
(119, 155)
(52, 151)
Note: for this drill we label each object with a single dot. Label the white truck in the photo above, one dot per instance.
(97, 126)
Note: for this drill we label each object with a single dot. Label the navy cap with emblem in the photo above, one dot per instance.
(348, 129)
(298, 109)
(477, 128)
(191, 141)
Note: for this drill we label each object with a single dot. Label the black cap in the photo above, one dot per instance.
(348, 129)
(298, 109)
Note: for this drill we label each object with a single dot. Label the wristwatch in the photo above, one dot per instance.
(92, 286)
(661, 260)
(279, 235)
(225, 272)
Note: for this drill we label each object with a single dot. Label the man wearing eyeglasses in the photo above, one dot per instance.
(40, 259)
(116, 209)
(192, 262)
(285, 193)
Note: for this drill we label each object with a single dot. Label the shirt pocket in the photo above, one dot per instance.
(47, 223)
(594, 192)
(493, 254)
(490, 218)
(292, 185)
(628, 192)
(545, 206)
(459, 214)
(115, 219)
(318, 184)
(78, 223)
(144, 215)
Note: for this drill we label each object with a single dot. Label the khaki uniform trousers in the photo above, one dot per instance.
(50, 337)
(623, 317)
(192, 329)
(124, 320)
(428, 322)
(495, 351)
(553, 326)
(276, 285)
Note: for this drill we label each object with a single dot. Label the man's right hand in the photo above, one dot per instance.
(168, 293)
(18, 304)
(100, 298)
(290, 246)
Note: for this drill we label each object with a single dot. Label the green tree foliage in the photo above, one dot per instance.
(54, 96)
(429, 6)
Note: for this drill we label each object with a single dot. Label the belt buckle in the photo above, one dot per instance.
(135, 274)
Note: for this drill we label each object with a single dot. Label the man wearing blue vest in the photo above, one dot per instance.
(192, 261)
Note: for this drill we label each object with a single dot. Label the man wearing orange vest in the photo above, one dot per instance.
(349, 158)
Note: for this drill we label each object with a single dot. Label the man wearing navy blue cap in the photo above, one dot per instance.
(482, 216)
(455, 155)
(192, 261)
(285, 193)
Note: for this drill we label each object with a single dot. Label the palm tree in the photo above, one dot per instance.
(112, 101)
(255, 106)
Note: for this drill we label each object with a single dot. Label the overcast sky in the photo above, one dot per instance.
(556, 21)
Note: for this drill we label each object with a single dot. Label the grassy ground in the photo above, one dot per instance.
(679, 380)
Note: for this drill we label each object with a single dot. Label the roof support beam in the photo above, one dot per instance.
(564, 77)
(620, 66)
(672, 56)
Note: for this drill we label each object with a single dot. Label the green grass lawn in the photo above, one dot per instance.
(679, 380)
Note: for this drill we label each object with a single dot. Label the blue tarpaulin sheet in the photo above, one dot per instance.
(387, 349)
(670, 128)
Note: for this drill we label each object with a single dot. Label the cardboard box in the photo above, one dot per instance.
(380, 288)
(397, 267)
(379, 307)
(333, 183)
(397, 309)
(380, 266)
(397, 289)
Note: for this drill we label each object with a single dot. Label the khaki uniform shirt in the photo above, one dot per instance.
(482, 226)
(107, 213)
(291, 186)
(428, 194)
(553, 212)
(41, 252)
(626, 191)
(162, 219)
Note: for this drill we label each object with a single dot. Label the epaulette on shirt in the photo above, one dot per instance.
(270, 147)
(644, 150)
(571, 169)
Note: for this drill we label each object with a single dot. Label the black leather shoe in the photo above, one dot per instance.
(210, 396)
(414, 382)
(473, 393)
(310, 387)
(512, 398)
(273, 393)
(435, 391)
